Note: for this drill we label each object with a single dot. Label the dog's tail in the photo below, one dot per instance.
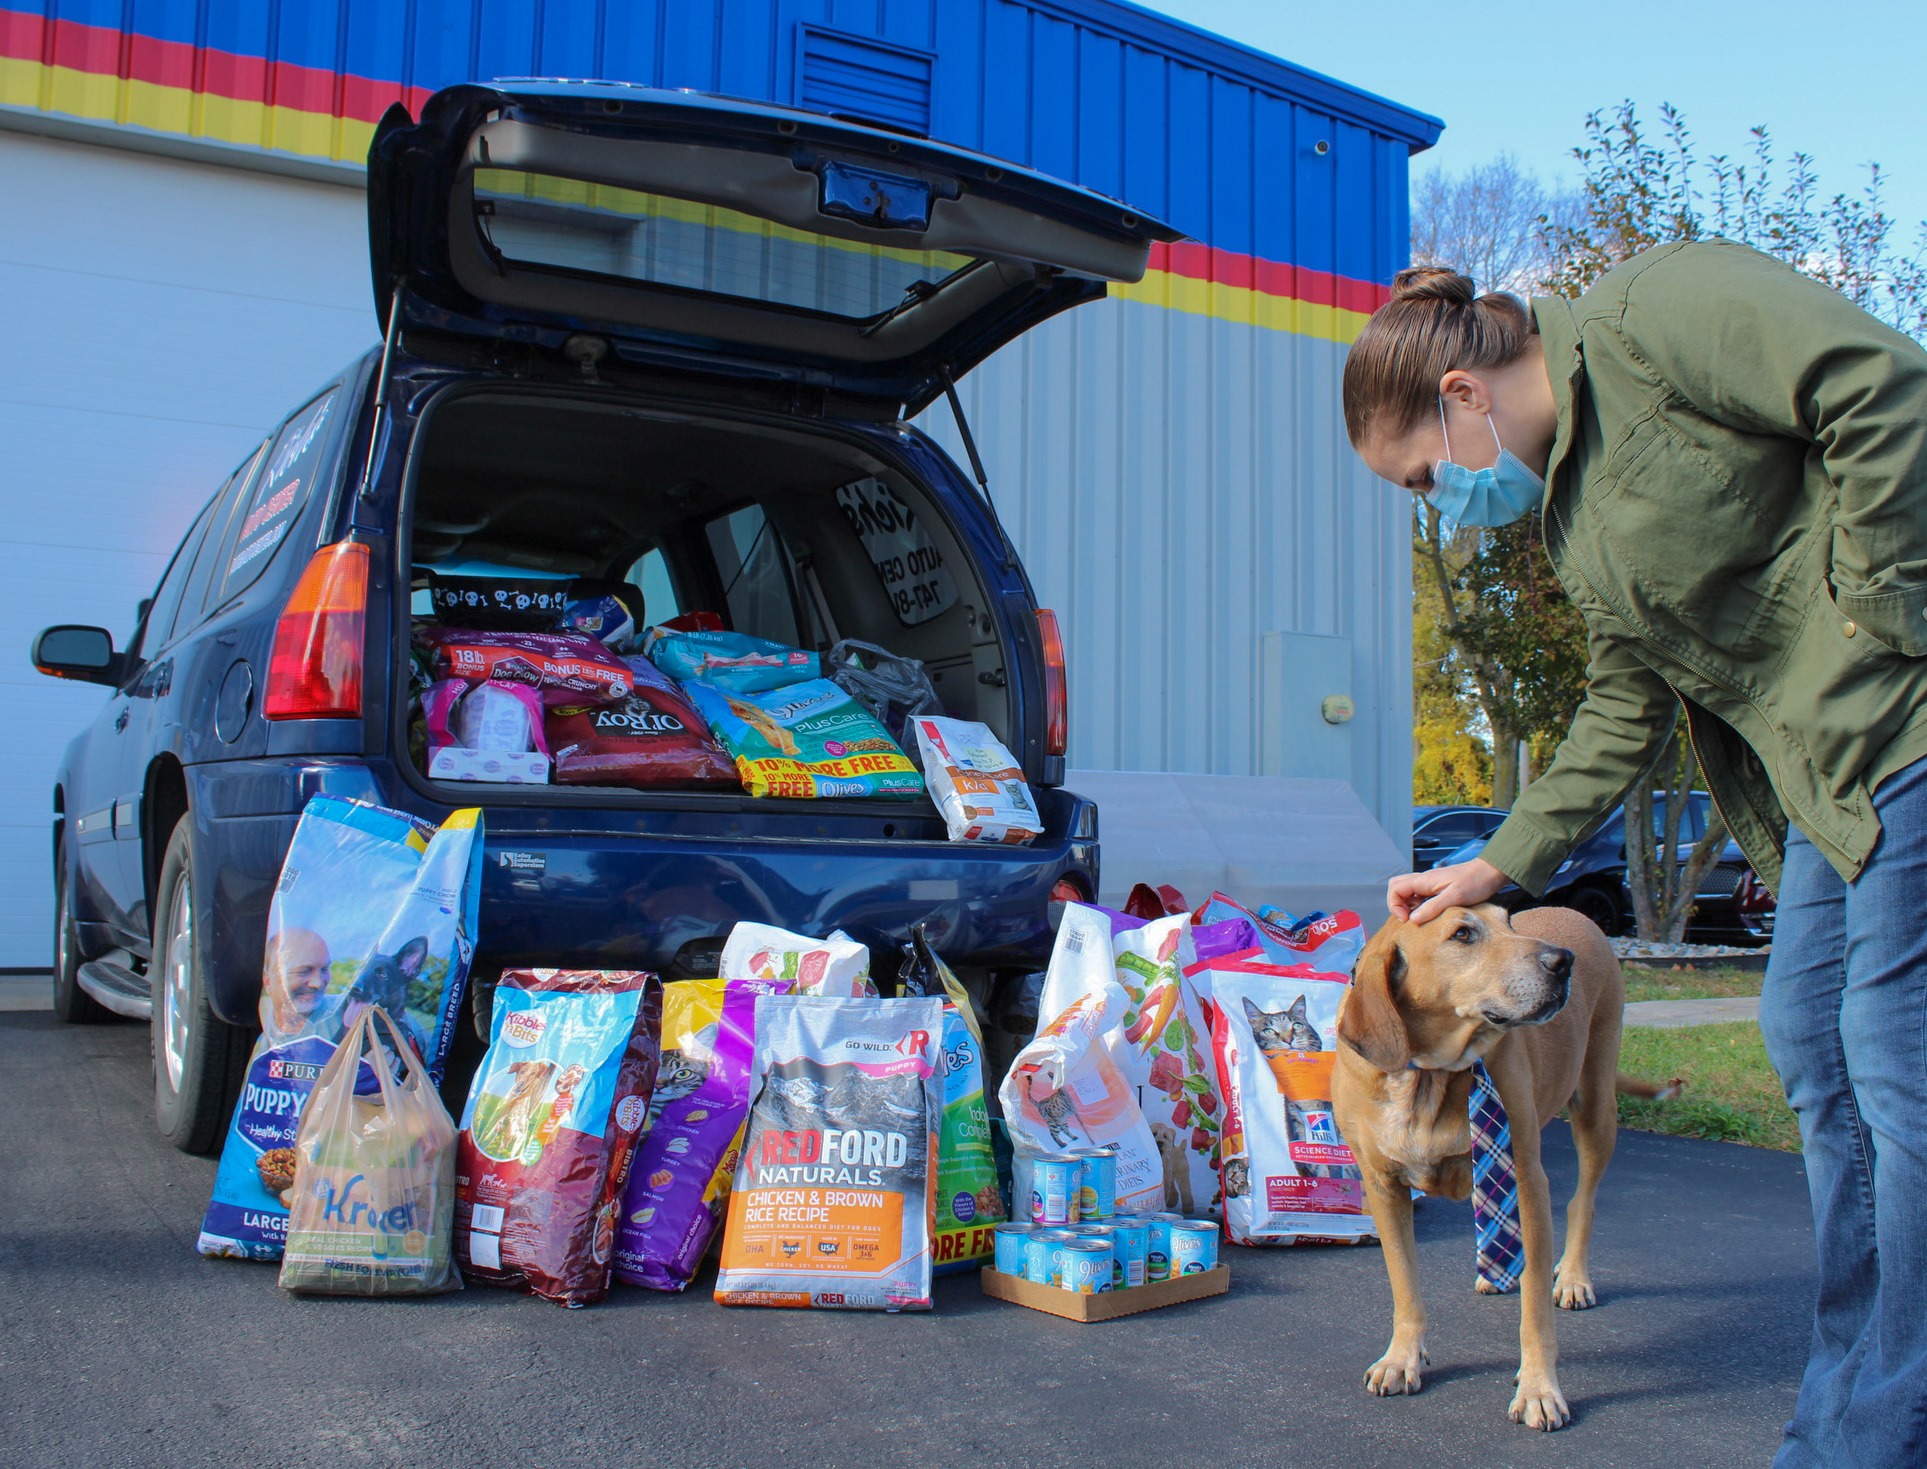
(1656, 1091)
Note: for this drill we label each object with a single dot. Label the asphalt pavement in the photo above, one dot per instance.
(119, 1345)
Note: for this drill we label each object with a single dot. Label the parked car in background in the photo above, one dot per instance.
(1731, 906)
(1437, 830)
(656, 338)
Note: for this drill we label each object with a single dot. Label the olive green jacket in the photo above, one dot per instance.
(1737, 502)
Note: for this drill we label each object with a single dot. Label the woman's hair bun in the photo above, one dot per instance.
(1434, 283)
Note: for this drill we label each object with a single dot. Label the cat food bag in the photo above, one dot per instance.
(732, 661)
(488, 731)
(373, 908)
(1076, 1084)
(373, 1203)
(551, 1125)
(1332, 941)
(680, 1182)
(976, 783)
(606, 618)
(837, 965)
(562, 668)
(810, 739)
(653, 738)
(1288, 1176)
(836, 1192)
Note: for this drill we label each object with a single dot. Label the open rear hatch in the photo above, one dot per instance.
(726, 237)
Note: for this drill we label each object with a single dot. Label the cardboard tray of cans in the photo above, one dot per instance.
(1106, 1305)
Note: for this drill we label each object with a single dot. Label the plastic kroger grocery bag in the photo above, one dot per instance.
(836, 1190)
(373, 908)
(1076, 1084)
(373, 1201)
(837, 965)
(679, 1184)
(1288, 1176)
(968, 1202)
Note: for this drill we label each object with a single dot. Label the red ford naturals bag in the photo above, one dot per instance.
(551, 1127)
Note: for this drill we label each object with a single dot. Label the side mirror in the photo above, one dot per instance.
(85, 654)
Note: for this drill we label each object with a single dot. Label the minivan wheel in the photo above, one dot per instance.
(1601, 907)
(198, 1057)
(71, 1003)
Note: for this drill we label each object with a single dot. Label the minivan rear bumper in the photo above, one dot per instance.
(602, 889)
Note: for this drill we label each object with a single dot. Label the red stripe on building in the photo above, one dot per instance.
(1198, 262)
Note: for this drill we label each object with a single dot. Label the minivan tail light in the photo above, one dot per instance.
(1057, 694)
(314, 671)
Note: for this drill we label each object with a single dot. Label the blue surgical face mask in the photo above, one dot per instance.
(1483, 497)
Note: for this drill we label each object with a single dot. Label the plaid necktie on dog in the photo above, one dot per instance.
(1495, 1188)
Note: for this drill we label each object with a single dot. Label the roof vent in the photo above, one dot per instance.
(858, 77)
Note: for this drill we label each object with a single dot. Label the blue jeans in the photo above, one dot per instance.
(1844, 1011)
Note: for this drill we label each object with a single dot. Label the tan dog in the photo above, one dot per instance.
(1540, 999)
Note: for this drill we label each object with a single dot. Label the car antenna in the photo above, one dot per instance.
(977, 465)
(376, 423)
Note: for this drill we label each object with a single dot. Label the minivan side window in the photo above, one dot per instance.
(756, 586)
(279, 493)
(651, 576)
(158, 625)
(220, 526)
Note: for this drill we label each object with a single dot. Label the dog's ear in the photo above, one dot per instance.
(1369, 1022)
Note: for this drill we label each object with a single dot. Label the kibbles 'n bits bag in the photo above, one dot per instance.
(810, 739)
(835, 1195)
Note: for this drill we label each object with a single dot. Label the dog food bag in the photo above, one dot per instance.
(1288, 1176)
(488, 731)
(732, 661)
(976, 783)
(837, 966)
(1076, 1085)
(373, 908)
(551, 1126)
(836, 1191)
(810, 739)
(680, 1182)
(373, 1203)
(563, 668)
(1332, 941)
(653, 738)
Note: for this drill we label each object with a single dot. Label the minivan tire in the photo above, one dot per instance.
(198, 1057)
(71, 1003)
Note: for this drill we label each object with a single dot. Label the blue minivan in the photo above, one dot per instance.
(650, 337)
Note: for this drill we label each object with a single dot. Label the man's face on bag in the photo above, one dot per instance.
(299, 963)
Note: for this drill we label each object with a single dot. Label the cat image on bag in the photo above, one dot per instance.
(1237, 1178)
(1054, 1106)
(1308, 1120)
(683, 1070)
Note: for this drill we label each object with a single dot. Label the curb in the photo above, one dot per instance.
(1745, 963)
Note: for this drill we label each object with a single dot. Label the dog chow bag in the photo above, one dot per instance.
(551, 1125)
(835, 1197)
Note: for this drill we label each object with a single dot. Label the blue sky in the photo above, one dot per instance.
(1847, 83)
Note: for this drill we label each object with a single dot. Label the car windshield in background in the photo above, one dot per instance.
(560, 223)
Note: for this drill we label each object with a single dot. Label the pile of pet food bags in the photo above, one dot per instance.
(1194, 1053)
(838, 1141)
(524, 680)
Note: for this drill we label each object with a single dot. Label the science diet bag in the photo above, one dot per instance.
(679, 1184)
(1288, 1176)
(551, 1125)
(836, 1190)
(732, 661)
(810, 739)
(373, 908)
(373, 1203)
(837, 965)
(1075, 1085)
(976, 783)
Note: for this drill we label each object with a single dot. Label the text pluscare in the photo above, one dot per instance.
(829, 1156)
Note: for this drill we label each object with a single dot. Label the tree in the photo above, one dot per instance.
(1637, 193)
(1493, 222)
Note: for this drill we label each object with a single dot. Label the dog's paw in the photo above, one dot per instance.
(1539, 1404)
(1486, 1288)
(1397, 1373)
(1573, 1292)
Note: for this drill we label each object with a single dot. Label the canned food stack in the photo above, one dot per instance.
(1080, 1241)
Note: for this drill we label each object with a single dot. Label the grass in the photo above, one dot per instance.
(1732, 1094)
(1688, 984)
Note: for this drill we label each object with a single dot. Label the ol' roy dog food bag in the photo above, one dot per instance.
(836, 1190)
(373, 908)
(810, 739)
(1288, 1176)
(680, 1181)
(551, 1125)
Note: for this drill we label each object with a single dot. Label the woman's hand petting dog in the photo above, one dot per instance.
(1419, 897)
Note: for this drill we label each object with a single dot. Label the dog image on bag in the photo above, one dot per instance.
(504, 1124)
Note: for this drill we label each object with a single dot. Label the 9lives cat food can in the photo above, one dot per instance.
(1010, 1240)
(1131, 1239)
(1194, 1247)
(1087, 1266)
(1158, 1245)
(1044, 1256)
(1055, 1181)
(1097, 1182)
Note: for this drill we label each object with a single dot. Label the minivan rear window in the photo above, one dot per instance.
(549, 221)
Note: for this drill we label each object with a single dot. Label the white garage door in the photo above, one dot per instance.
(160, 316)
